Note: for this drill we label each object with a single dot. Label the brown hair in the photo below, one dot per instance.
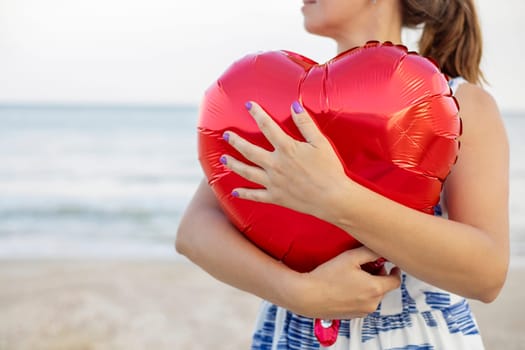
(451, 34)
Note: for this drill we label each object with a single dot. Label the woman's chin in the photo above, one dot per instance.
(315, 28)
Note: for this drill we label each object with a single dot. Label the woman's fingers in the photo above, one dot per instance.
(271, 130)
(386, 282)
(249, 172)
(275, 134)
(306, 125)
(253, 153)
(259, 195)
(363, 255)
(389, 282)
(257, 174)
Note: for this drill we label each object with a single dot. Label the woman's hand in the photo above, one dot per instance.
(340, 289)
(304, 176)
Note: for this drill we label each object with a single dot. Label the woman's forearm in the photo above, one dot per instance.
(207, 238)
(451, 255)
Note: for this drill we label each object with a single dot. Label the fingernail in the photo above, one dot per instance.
(235, 194)
(248, 105)
(226, 137)
(297, 108)
(223, 160)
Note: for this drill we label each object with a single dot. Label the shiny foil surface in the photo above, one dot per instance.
(388, 113)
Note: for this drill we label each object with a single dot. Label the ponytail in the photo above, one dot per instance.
(451, 35)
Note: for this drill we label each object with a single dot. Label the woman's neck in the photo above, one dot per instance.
(382, 23)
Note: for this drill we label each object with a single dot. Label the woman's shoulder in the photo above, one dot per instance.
(478, 110)
(472, 95)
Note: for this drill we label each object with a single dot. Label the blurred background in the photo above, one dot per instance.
(98, 107)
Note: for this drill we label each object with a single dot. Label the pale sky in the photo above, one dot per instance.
(170, 51)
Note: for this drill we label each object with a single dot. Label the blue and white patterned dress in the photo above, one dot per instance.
(416, 316)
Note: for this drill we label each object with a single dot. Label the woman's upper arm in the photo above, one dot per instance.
(203, 207)
(477, 189)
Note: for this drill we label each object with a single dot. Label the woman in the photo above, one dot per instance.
(442, 261)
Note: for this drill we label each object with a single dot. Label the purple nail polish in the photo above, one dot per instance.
(226, 137)
(223, 160)
(248, 105)
(297, 108)
(235, 194)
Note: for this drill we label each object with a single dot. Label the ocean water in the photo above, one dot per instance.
(79, 182)
(96, 182)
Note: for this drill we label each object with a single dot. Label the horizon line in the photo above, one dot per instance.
(97, 105)
(126, 105)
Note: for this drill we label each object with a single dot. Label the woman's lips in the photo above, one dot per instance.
(309, 2)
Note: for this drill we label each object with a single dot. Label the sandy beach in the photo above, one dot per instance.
(159, 305)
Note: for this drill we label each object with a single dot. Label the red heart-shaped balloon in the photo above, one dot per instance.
(388, 113)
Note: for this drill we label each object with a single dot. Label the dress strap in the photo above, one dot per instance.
(455, 83)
